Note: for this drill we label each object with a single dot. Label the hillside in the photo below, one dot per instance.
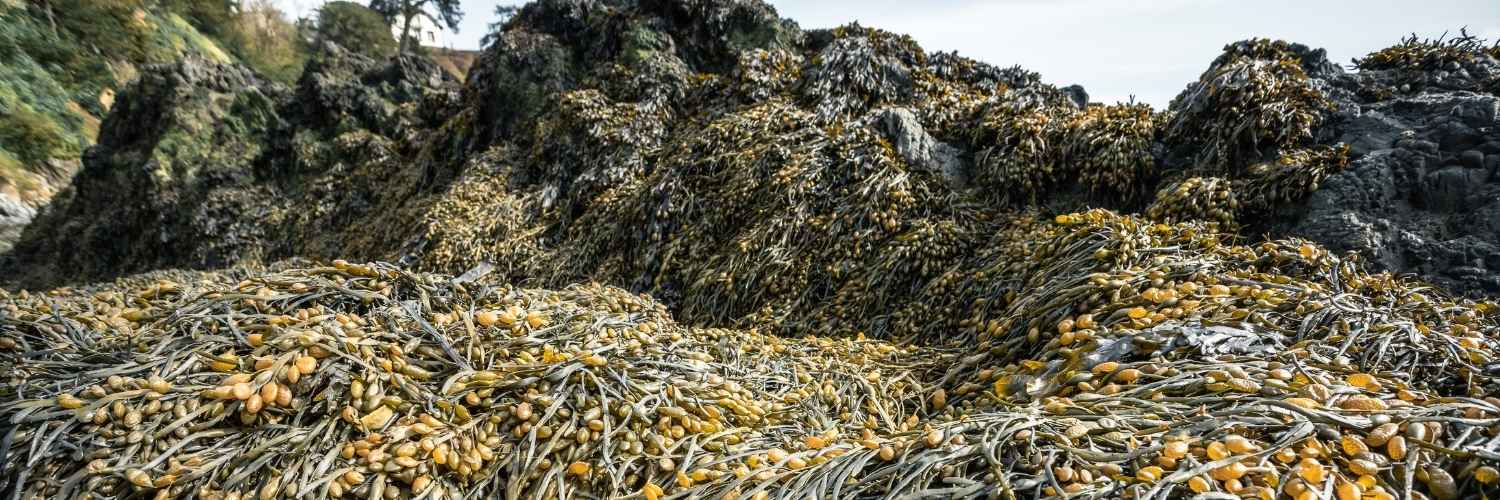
(455, 62)
(61, 65)
(685, 248)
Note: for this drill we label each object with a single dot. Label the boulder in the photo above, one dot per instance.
(1417, 197)
(921, 150)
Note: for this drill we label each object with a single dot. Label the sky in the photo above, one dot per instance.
(1116, 49)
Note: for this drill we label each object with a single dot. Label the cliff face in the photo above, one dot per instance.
(722, 158)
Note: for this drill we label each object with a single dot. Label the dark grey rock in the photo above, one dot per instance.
(1421, 193)
(1078, 95)
(1472, 158)
(1449, 188)
(920, 149)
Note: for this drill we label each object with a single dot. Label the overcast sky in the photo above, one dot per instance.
(1114, 48)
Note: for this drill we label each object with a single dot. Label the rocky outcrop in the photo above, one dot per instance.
(920, 150)
(1422, 194)
(145, 198)
(653, 144)
(204, 165)
(60, 67)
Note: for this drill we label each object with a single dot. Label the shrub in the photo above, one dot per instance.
(32, 137)
(357, 28)
(262, 36)
(211, 17)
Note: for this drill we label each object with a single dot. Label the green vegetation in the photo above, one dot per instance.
(210, 17)
(447, 15)
(267, 42)
(355, 27)
(62, 61)
(32, 137)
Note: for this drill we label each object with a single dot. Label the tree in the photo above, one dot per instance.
(355, 27)
(263, 38)
(503, 13)
(448, 15)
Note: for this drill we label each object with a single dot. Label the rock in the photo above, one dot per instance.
(14, 216)
(205, 165)
(921, 150)
(179, 126)
(1472, 159)
(1417, 205)
(1450, 188)
(1078, 95)
(1370, 131)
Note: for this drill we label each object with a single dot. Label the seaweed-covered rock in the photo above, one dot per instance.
(142, 199)
(61, 63)
(677, 147)
(204, 165)
(711, 34)
(1416, 65)
(339, 86)
(1256, 98)
(862, 68)
(767, 184)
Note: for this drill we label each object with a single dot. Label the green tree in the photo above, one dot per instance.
(262, 36)
(447, 15)
(503, 13)
(355, 27)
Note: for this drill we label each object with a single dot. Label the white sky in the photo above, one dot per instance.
(1114, 48)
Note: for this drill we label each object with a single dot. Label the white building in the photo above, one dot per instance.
(426, 33)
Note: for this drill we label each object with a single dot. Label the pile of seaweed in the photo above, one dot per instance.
(897, 272)
(1138, 359)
